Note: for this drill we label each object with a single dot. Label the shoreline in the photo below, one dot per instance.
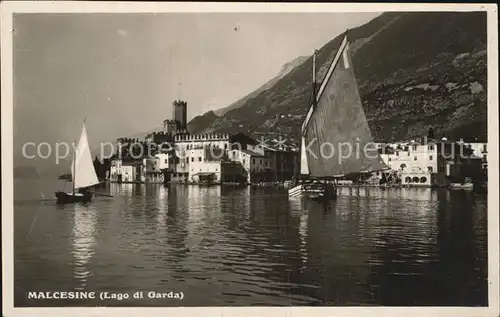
(283, 185)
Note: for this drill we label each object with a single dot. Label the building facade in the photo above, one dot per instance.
(431, 162)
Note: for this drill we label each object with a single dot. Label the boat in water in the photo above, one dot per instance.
(83, 175)
(336, 118)
(461, 186)
(467, 184)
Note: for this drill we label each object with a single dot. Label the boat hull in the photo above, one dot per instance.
(71, 198)
(466, 186)
(317, 192)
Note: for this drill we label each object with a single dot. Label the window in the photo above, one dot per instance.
(408, 180)
(430, 157)
(415, 179)
(166, 161)
(414, 147)
(408, 152)
(199, 159)
(260, 161)
(243, 161)
(397, 153)
(225, 146)
(431, 147)
(414, 158)
(390, 159)
(429, 169)
(253, 161)
(423, 179)
(192, 159)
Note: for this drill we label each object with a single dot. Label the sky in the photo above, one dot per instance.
(122, 71)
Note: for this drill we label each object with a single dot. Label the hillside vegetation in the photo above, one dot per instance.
(414, 70)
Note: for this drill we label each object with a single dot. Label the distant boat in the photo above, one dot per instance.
(466, 184)
(335, 117)
(82, 172)
(461, 186)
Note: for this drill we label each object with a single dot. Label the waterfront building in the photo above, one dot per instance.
(428, 162)
(175, 155)
(115, 170)
(284, 157)
(479, 151)
(185, 144)
(416, 163)
(284, 163)
(155, 167)
(204, 163)
(257, 166)
(132, 171)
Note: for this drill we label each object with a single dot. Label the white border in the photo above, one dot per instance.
(7, 8)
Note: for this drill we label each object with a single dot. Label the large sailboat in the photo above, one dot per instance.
(82, 172)
(335, 124)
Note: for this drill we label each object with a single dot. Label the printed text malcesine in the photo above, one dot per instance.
(106, 295)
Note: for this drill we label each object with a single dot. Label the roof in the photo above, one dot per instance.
(251, 153)
(131, 163)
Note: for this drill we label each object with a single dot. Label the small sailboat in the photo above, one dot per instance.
(82, 172)
(336, 118)
(467, 184)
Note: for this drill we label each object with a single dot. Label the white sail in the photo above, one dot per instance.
(304, 167)
(82, 168)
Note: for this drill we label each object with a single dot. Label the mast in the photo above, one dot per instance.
(74, 166)
(314, 78)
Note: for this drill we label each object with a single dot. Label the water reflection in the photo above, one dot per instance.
(176, 232)
(253, 246)
(162, 207)
(84, 222)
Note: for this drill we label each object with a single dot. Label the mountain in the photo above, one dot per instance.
(285, 70)
(415, 70)
(203, 123)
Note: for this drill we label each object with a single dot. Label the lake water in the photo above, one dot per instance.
(242, 247)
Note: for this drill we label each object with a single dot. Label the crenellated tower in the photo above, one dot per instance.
(179, 114)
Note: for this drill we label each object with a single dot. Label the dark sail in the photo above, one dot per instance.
(336, 138)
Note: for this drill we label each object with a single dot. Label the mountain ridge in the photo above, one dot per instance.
(285, 69)
(414, 71)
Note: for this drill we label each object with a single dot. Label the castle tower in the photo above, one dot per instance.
(179, 114)
(169, 126)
